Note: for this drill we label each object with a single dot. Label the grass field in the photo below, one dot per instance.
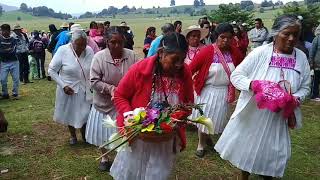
(37, 148)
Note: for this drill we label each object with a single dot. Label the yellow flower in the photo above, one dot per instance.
(136, 118)
(149, 128)
(143, 114)
(207, 122)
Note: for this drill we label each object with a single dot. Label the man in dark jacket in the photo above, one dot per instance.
(22, 51)
(53, 41)
(9, 61)
(128, 34)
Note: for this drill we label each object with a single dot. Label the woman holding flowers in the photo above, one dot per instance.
(107, 69)
(213, 66)
(258, 140)
(153, 82)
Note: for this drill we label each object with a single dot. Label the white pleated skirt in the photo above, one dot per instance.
(145, 161)
(96, 133)
(256, 141)
(71, 110)
(215, 107)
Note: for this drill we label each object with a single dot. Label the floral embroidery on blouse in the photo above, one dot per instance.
(227, 57)
(172, 88)
(283, 62)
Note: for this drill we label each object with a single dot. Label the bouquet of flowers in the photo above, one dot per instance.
(153, 123)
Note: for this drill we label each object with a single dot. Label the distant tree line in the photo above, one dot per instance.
(230, 13)
(196, 3)
(1, 10)
(112, 11)
(43, 11)
(311, 1)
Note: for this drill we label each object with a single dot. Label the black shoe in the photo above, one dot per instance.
(200, 153)
(105, 166)
(5, 96)
(27, 81)
(15, 97)
(49, 78)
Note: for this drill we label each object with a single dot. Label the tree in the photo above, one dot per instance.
(278, 3)
(196, 3)
(24, 7)
(295, 3)
(86, 15)
(112, 10)
(133, 9)
(266, 3)
(310, 14)
(1, 10)
(125, 9)
(261, 10)
(201, 3)
(48, 12)
(227, 13)
(172, 3)
(247, 5)
(308, 2)
(18, 18)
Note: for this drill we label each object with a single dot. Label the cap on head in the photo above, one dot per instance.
(76, 27)
(17, 27)
(204, 32)
(64, 25)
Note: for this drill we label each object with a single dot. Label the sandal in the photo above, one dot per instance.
(105, 166)
(73, 141)
(200, 153)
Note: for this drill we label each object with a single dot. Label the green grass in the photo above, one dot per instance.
(35, 147)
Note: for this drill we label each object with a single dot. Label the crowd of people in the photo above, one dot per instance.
(98, 75)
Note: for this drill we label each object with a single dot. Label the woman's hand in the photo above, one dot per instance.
(112, 94)
(68, 90)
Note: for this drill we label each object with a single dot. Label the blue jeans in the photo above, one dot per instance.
(315, 84)
(12, 68)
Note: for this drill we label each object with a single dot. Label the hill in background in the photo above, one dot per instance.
(7, 8)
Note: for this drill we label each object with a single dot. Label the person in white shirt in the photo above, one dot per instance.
(70, 68)
(258, 140)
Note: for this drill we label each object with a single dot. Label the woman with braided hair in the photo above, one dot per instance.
(156, 81)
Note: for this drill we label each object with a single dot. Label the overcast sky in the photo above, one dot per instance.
(79, 6)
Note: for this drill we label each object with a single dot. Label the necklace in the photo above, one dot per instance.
(194, 53)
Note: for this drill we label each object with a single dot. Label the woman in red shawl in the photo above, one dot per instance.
(156, 81)
(213, 66)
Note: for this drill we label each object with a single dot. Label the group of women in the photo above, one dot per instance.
(183, 71)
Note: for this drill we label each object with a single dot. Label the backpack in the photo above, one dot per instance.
(38, 46)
